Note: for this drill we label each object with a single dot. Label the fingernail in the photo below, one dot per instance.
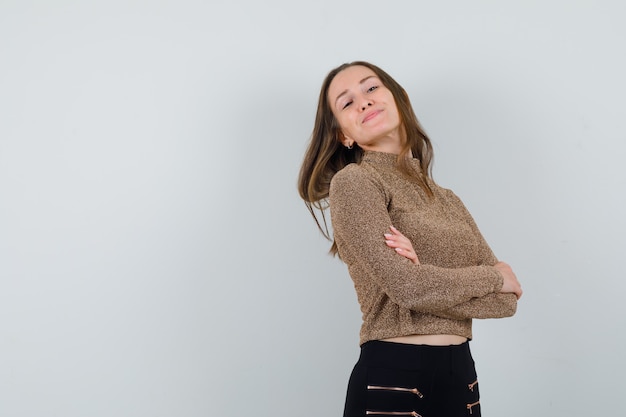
(398, 250)
(388, 241)
(388, 235)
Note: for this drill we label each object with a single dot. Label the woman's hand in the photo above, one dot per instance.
(401, 244)
(511, 284)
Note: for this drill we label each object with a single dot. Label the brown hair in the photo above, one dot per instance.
(325, 155)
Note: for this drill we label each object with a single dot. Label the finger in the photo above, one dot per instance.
(405, 253)
(395, 231)
(412, 256)
(400, 245)
(391, 243)
(398, 238)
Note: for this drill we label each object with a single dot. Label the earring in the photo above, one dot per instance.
(350, 146)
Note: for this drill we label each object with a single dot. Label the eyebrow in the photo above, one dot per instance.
(344, 92)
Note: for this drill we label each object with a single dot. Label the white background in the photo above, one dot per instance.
(155, 258)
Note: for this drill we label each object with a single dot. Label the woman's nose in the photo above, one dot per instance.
(365, 104)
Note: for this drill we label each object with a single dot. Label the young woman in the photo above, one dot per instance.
(421, 268)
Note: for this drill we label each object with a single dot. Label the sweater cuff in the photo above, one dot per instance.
(499, 280)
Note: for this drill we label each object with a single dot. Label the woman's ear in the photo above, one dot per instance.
(345, 141)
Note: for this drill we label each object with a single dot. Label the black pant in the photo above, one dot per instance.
(396, 379)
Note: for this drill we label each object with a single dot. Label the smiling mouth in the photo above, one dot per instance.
(371, 115)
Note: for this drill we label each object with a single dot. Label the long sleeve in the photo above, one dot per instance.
(360, 218)
(496, 305)
(490, 306)
(456, 280)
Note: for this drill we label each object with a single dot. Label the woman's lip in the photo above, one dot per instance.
(371, 115)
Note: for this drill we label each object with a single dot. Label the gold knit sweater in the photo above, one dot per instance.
(455, 281)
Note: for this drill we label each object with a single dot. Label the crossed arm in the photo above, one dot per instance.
(402, 245)
(487, 306)
(361, 226)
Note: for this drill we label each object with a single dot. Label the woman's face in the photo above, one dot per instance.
(366, 110)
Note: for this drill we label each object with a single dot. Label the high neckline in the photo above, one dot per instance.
(382, 157)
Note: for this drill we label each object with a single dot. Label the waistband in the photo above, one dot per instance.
(413, 357)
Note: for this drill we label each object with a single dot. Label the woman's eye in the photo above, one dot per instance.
(372, 88)
(347, 104)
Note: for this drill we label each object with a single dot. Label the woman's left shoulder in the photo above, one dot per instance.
(443, 191)
(448, 195)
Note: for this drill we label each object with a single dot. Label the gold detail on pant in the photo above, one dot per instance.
(381, 388)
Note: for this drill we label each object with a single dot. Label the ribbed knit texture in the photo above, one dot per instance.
(455, 281)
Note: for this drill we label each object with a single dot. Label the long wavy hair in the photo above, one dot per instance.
(326, 155)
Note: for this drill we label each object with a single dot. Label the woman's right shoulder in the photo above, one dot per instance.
(350, 173)
(355, 176)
